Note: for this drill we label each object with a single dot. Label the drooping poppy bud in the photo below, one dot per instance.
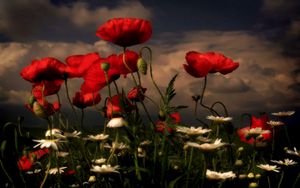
(142, 66)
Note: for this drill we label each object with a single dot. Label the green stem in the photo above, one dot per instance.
(202, 96)
(222, 104)
(82, 118)
(273, 142)
(69, 99)
(296, 180)
(189, 167)
(269, 182)
(204, 171)
(151, 71)
(287, 135)
(47, 172)
(7, 175)
(281, 178)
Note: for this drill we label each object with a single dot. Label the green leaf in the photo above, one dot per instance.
(170, 91)
(173, 182)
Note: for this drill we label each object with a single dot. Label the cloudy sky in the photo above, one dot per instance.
(262, 35)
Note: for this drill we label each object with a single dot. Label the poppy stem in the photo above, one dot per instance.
(69, 99)
(202, 96)
(151, 71)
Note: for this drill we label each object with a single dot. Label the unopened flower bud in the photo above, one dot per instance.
(39, 110)
(250, 175)
(142, 66)
(105, 66)
(31, 100)
(161, 115)
(242, 176)
(240, 149)
(253, 185)
(92, 179)
(257, 176)
(238, 163)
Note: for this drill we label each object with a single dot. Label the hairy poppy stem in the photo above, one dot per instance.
(69, 99)
(202, 96)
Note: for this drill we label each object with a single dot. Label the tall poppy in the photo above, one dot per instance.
(47, 68)
(136, 94)
(125, 31)
(200, 64)
(77, 65)
(95, 78)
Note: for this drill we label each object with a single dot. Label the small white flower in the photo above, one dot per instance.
(283, 114)
(219, 119)
(275, 123)
(206, 146)
(92, 179)
(286, 162)
(98, 137)
(62, 154)
(192, 130)
(116, 122)
(99, 161)
(35, 171)
(57, 133)
(104, 169)
(47, 144)
(268, 167)
(295, 152)
(146, 142)
(56, 170)
(213, 175)
(141, 152)
(74, 134)
(255, 132)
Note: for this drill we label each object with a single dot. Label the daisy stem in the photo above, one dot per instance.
(204, 171)
(273, 142)
(296, 180)
(269, 182)
(7, 175)
(287, 136)
(47, 172)
(189, 167)
(82, 118)
(281, 178)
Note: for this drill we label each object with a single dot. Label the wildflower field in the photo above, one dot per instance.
(134, 148)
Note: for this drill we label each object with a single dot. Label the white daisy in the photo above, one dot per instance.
(116, 122)
(219, 119)
(98, 137)
(283, 114)
(192, 130)
(47, 144)
(56, 170)
(295, 152)
(99, 161)
(255, 132)
(57, 133)
(275, 123)
(35, 171)
(74, 134)
(286, 162)
(146, 142)
(207, 146)
(268, 167)
(92, 179)
(213, 175)
(104, 169)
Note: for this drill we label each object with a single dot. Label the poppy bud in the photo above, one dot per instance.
(142, 66)
(31, 100)
(162, 115)
(39, 110)
(105, 66)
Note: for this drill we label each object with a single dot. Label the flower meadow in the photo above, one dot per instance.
(134, 148)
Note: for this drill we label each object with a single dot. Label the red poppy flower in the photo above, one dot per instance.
(200, 64)
(77, 65)
(125, 31)
(131, 59)
(46, 88)
(256, 123)
(45, 69)
(136, 94)
(161, 126)
(83, 100)
(25, 163)
(95, 79)
(117, 105)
